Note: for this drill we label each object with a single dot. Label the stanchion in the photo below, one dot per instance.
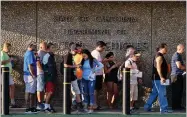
(126, 91)
(5, 90)
(67, 91)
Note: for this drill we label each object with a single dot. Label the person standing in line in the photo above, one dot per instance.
(50, 76)
(90, 66)
(160, 70)
(100, 47)
(111, 80)
(129, 51)
(70, 65)
(6, 62)
(178, 68)
(77, 60)
(131, 63)
(29, 69)
(40, 75)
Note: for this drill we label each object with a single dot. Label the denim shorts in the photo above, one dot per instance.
(30, 84)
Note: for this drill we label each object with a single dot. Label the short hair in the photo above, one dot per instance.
(30, 45)
(100, 43)
(43, 43)
(49, 45)
(109, 54)
(77, 45)
(129, 46)
(161, 46)
(6, 44)
(70, 44)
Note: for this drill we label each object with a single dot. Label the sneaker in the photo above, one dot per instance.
(28, 111)
(166, 112)
(99, 108)
(90, 111)
(34, 110)
(74, 107)
(80, 112)
(133, 111)
(149, 110)
(85, 110)
(40, 107)
(48, 111)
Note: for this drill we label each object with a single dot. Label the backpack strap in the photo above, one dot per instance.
(130, 62)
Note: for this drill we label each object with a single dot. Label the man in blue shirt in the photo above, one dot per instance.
(178, 68)
(30, 78)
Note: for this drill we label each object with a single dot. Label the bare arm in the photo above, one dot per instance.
(158, 66)
(107, 70)
(31, 69)
(70, 66)
(105, 60)
(180, 66)
(39, 65)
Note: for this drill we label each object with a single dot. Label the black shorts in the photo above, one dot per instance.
(111, 79)
(98, 82)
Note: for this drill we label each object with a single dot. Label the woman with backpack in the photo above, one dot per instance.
(111, 80)
(89, 66)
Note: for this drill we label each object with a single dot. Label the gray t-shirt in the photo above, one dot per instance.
(41, 54)
(175, 58)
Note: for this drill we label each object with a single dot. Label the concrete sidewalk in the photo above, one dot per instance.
(105, 112)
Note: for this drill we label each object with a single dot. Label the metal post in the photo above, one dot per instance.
(5, 90)
(126, 91)
(67, 91)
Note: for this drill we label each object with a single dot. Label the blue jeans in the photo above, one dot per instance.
(160, 92)
(88, 88)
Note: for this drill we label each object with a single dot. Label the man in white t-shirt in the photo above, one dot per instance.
(131, 63)
(99, 75)
(129, 51)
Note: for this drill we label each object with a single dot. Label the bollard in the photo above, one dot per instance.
(67, 91)
(126, 91)
(5, 90)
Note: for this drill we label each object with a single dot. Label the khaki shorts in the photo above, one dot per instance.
(11, 82)
(74, 87)
(133, 92)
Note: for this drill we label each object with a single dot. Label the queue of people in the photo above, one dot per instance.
(87, 71)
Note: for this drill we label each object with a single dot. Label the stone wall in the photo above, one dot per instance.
(142, 24)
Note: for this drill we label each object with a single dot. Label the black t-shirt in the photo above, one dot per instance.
(68, 59)
(164, 67)
(113, 73)
(50, 70)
